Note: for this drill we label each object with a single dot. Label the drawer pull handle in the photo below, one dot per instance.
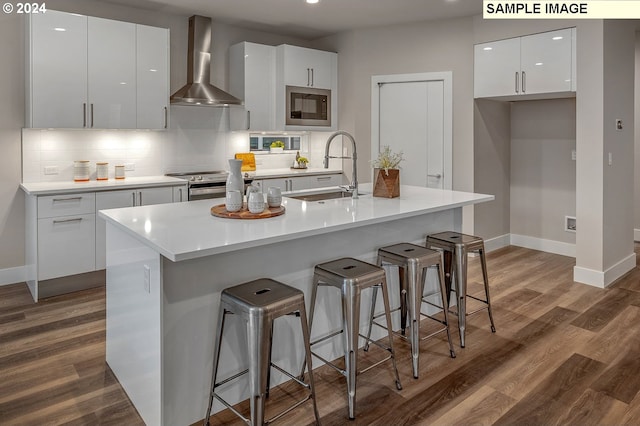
(324, 178)
(57, 200)
(77, 219)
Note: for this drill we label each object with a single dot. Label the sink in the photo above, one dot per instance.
(324, 196)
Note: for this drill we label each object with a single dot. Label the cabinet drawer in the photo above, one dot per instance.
(325, 180)
(66, 245)
(67, 204)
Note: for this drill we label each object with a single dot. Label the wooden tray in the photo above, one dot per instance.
(221, 211)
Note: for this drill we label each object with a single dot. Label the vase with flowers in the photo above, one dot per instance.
(386, 173)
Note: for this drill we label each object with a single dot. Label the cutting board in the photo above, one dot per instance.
(248, 161)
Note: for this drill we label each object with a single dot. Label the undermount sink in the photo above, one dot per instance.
(324, 196)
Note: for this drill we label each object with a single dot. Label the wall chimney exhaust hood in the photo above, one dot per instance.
(198, 90)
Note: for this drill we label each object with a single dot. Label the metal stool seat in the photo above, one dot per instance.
(456, 246)
(414, 261)
(352, 276)
(259, 303)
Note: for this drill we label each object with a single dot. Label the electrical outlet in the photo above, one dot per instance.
(610, 159)
(147, 279)
(618, 124)
(129, 167)
(573, 154)
(51, 170)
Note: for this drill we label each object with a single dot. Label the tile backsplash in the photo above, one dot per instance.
(198, 139)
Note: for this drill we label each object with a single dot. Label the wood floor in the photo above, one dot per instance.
(564, 353)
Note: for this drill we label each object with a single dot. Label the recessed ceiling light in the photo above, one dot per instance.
(312, 1)
(538, 64)
(556, 38)
(487, 48)
(59, 29)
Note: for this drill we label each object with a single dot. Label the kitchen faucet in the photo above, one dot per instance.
(353, 187)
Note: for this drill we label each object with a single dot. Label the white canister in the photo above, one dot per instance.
(119, 172)
(233, 201)
(102, 171)
(81, 170)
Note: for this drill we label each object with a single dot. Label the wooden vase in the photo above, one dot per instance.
(385, 184)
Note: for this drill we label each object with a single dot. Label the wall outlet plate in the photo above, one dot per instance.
(129, 167)
(51, 170)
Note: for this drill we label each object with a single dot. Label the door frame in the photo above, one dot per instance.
(447, 79)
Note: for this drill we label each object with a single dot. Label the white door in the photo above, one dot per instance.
(412, 113)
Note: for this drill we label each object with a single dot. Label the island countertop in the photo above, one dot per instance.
(182, 231)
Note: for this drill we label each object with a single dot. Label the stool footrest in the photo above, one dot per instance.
(375, 364)
(230, 407)
(227, 380)
(289, 375)
(330, 364)
(327, 337)
(478, 299)
(294, 406)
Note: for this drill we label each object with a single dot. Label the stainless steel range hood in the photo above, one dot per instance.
(198, 90)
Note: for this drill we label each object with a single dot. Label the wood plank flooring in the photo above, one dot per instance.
(564, 353)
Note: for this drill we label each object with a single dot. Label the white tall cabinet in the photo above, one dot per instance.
(87, 72)
(307, 67)
(528, 66)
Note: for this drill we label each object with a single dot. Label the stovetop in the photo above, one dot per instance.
(206, 176)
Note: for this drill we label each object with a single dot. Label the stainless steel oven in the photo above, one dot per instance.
(308, 106)
(209, 184)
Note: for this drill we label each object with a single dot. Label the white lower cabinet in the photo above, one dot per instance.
(124, 198)
(299, 183)
(66, 235)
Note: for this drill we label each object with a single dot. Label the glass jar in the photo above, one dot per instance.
(102, 171)
(81, 170)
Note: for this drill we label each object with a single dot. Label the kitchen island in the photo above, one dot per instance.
(166, 266)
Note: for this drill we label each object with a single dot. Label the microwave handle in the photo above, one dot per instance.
(248, 120)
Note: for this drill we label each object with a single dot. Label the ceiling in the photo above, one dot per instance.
(309, 21)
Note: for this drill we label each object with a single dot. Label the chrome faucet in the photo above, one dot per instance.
(353, 187)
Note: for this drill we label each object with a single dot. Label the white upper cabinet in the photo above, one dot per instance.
(152, 80)
(112, 74)
(534, 66)
(252, 78)
(84, 72)
(308, 67)
(57, 62)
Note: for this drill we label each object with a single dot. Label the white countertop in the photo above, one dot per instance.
(181, 231)
(47, 188)
(289, 172)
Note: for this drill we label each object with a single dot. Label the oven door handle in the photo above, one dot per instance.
(208, 191)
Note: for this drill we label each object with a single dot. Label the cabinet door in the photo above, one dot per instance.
(283, 183)
(150, 196)
(58, 61)
(108, 200)
(546, 61)
(309, 67)
(320, 181)
(66, 245)
(497, 68)
(252, 79)
(152, 77)
(112, 74)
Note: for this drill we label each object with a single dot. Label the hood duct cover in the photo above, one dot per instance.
(198, 90)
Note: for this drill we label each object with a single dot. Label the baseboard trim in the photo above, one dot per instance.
(602, 279)
(495, 243)
(636, 235)
(549, 246)
(13, 275)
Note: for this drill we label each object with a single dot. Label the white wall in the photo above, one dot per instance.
(636, 209)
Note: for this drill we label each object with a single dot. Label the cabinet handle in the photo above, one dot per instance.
(56, 200)
(84, 114)
(324, 178)
(517, 83)
(180, 192)
(140, 198)
(92, 115)
(524, 82)
(248, 120)
(437, 176)
(308, 76)
(76, 219)
(312, 77)
(166, 117)
(290, 184)
(133, 195)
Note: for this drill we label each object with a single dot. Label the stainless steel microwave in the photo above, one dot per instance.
(308, 106)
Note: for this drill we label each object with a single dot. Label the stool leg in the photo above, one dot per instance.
(312, 307)
(448, 273)
(414, 286)
(445, 303)
(485, 277)
(387, 312)
(461, 287)
(351, 321)
(216, 360)
(259, 335)
(266, 392)
(402, 277)
(307, 357)
(374, 298)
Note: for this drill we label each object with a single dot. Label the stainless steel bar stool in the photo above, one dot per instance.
(456, 246)
(414, 261)
(352, 276)
(260, 302)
